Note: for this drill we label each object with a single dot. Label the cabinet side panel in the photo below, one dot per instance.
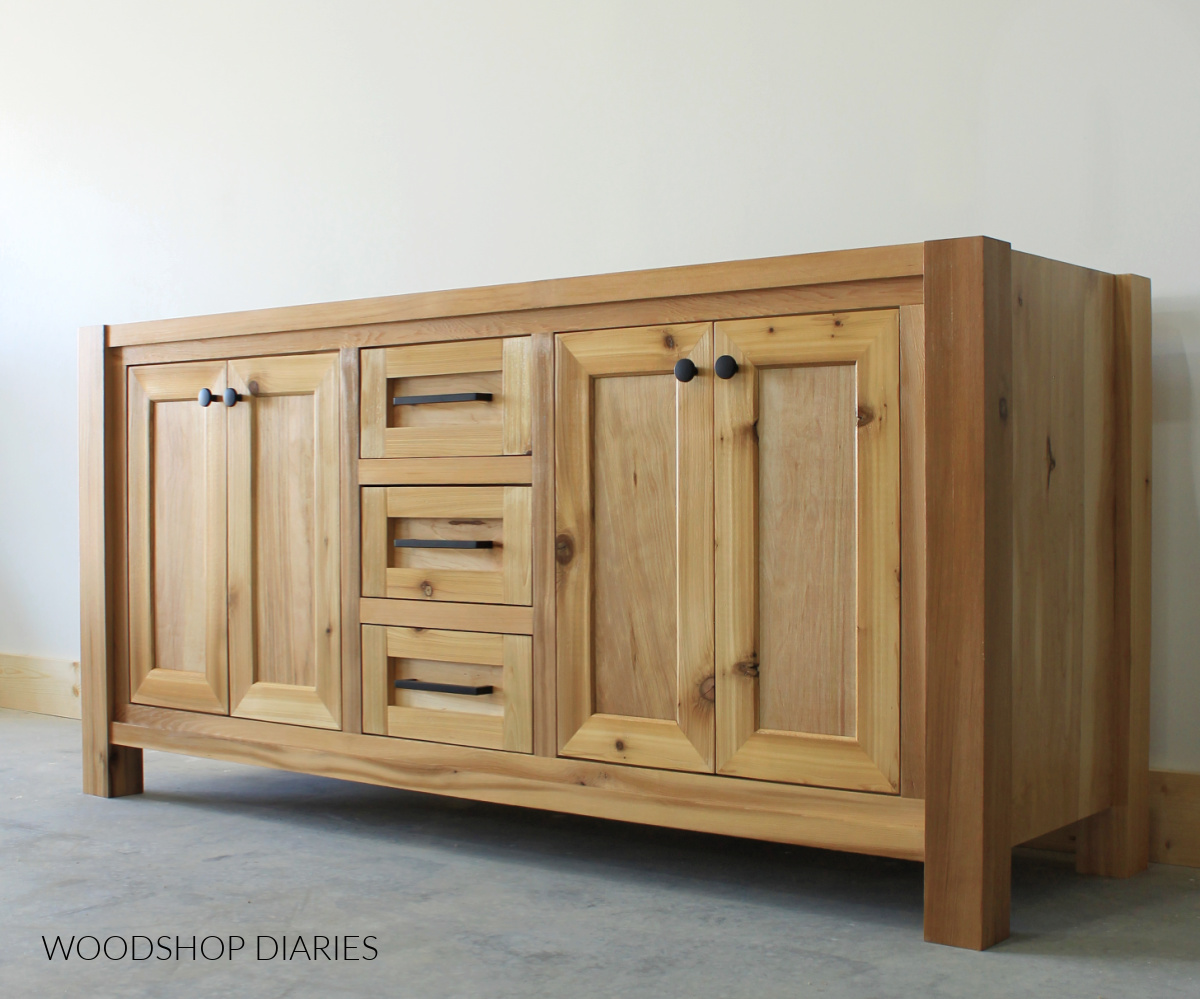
(1062, 421)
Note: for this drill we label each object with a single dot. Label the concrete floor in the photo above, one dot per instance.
(469, 899)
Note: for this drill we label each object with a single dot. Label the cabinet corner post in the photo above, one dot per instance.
(968, 739)
(108, 771)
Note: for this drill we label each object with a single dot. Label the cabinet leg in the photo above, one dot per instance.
(114, 771)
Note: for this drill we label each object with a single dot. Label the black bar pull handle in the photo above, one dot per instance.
(434, 543)
(421, 400)
(445, 688)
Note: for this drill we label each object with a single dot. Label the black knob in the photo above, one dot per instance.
(230, 397)
(685, 370)
(205, 397)
(726, 366)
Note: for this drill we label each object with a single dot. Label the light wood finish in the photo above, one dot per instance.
(1115, 842)
(499, 618)
(768, 272)
(912, 551)
(968, 473)
(633, 494)
(501, 514)
(887, 825)
(545, 715)
(108, 771)
(44, 686)
(511, 469)
(178, 654)
(808, 550)
(500, 426)
(840, 296)
(500, 720)
(351, 568)
(1062, 425)
(284, 532)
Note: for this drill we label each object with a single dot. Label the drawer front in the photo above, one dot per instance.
(468, 688)
(457, 543)
(466, 398)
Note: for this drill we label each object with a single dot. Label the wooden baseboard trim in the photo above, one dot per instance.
(1174, 822)
(47, 686)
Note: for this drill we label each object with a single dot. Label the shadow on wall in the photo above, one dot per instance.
(1175, 544)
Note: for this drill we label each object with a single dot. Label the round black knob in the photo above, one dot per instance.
(685, 370)
(726, 366)
(230, 397)
(205, 397)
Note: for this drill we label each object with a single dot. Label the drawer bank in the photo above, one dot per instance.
(847, 549)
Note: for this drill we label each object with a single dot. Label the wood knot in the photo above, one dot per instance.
(747, 667)
(669, 342)
(1051, 463)
(620, 744)
(564, 549)
(837, 322)
(708, 688)
(865, 415)
(1003, 410)
(427, 587)
(253, 388)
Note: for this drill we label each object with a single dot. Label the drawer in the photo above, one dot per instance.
(469, 398)
(458, 543)
(485, 682)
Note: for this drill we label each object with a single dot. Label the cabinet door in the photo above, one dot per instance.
(808, 550)
(284, 613)
(176, 505)
(633, 496)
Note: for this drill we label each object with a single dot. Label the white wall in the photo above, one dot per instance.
(162, 159)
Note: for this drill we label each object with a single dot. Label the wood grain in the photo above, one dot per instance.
(461, 617)
(349, 542)
(1115, 842)
(545, 717)
(373, 409)
(887, 825)
(284, 533)
(842, 296)
(767, 272)
(751, 503)
(44, 686)
(912, 551)
(968, 463)
(631, 444)
(177, 523)
(514, 469)
(1062, 425)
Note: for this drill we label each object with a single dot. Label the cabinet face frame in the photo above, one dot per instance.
(870, 760)
(510, 435)
(201, 690)
(436, 717)
(511, 584)
(317, 705)
(684, 742)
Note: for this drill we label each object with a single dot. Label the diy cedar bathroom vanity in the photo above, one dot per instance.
(845, 549)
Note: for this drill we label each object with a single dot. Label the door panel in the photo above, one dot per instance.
(176, 497)
(634, 545)
(808, 564)
(284, 612)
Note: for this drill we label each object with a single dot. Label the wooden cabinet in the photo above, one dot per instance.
(234, 593)
(816, 549)
(782, 660)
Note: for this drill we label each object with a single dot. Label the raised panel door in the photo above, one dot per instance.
(284, 610)
(176, 510)
(808, 550)
(634, 521)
